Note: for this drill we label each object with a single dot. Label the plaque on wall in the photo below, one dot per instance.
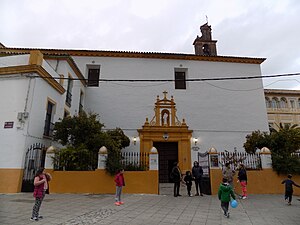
(9, 124)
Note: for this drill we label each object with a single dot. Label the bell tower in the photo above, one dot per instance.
(204, 45)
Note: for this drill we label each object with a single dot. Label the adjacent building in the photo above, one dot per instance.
(283, 106)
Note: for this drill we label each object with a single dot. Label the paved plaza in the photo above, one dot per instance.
(71, 209)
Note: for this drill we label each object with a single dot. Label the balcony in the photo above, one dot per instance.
(284, 110)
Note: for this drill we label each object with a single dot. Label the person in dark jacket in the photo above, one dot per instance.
(242, 178)
(289, 188)
(176, 177)
(188, 179)
(224, 193)
(197, 173)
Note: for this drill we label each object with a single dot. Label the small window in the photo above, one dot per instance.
(275, 103)
(268, 102)
(81, 102)
(93, 77)
(69, 92)
(180, 82)
(48, 128)
(283, 103)
(66, 113)
(292, 104)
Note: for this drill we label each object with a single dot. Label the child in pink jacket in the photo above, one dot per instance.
(120, 182)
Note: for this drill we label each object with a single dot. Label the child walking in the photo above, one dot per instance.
(289, 188)
(188, 181)
(242, 178)
(120, 182)
(224, 193)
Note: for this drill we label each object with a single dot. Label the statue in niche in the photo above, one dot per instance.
(165, 118)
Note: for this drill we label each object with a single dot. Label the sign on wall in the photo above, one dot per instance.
(9, 124)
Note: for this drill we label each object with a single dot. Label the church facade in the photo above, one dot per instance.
(182, 104)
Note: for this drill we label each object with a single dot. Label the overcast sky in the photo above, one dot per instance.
(247, 28)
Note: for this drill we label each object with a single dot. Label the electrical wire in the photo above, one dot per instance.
(187, 80)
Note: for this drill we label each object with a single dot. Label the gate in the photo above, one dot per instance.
(34, 159)
(168, 154)
(203, 159)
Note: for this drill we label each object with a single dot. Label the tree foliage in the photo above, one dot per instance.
(282, 142)
(83, 129)
(256, 139)
(83, 135)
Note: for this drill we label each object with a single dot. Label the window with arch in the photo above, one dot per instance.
(275, 103)
(283, 103)
(268, 102)
(292, 102)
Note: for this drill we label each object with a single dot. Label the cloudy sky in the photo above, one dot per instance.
(255, 28)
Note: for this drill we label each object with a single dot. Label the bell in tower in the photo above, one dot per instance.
(204, 45)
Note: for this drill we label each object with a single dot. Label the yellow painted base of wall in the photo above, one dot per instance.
(264, 181)
(10, 180)
(99, 182)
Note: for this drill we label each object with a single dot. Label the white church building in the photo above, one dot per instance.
(182, 104)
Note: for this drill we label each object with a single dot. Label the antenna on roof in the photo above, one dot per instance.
(206, 19)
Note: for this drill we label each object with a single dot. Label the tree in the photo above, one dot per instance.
(83, 129)
(118, 140)
(83, 136)
(256, 139)
(282, 143)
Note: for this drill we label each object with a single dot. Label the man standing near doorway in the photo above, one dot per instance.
(176, 177)
(197, 173)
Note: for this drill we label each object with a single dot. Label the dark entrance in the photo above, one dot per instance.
(167, 155)
(203, 159)
(34, 159)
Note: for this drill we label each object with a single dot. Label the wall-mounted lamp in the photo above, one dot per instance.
(134, 140)
(166, 136)
(195, 141)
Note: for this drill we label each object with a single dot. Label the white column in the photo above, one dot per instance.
(153, 159)
(102, 156)
(266, 160)
(49, 158)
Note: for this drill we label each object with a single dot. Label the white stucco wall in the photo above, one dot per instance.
(20, 93)
(221, 113)
(13, 99)
(14, 60)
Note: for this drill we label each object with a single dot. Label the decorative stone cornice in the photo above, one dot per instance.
(33, 69)
(124, 54)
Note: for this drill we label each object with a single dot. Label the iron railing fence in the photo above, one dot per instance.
(135, 160)
(86, 161)
(251, 161)
(75, 161)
